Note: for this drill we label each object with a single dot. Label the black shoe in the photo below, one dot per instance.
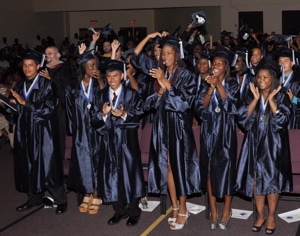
(257, 229)
(270, 231)
(61, 208)
(116, 218)
(27, 206)
(132, 221)
(48, 201)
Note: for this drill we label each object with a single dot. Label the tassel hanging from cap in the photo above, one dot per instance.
(124, 71)
(246, 55)
(181, 49)
(293, 55)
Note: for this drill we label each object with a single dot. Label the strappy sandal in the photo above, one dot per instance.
(84, 206)
(172, 220)
(177, 226)
(94, 206)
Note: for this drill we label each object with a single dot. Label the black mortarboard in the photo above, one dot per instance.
(244, 34)
(174, 42)
(199, 18)
(34, 55)
(115, 65)
(271, 65)
(83, 58)
(127, 53)
(287, 52)
(280, 38)
(203, 56)
(225, 53)
(225, 33)
(284, 52)
(106, 30)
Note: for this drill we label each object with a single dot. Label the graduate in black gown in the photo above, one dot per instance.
(264, 168)
(290, 81)
(173, 160)
(116, 116)
(37, 159)
(217, 105)
(84, 164)
(143, 62)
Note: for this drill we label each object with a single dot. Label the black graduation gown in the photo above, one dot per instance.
(172, 136)
(265, 155)
(294, 85)
(121, 177)
(143, 63)
(218, 139)
(84, 163)
(61, 75)
(37, 160)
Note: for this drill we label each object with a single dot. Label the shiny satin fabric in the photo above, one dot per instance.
(85, 154)
(265, 155)
(294, 86)
(37, 158)
(143, 63)
(121, 177)
(218, 141)
(172, 135)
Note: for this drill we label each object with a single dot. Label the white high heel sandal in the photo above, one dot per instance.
(177, 226)
(172, 220)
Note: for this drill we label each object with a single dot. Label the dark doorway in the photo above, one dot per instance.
(290, 22)
(252, 19)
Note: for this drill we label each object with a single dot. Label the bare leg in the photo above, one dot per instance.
(182, 210)
(272, 205)
(95, 194)
(226, 214)
(260, 208)
(212, 202)
(172, 191)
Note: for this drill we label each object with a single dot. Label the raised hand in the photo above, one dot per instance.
(254, 91)
(118, 112)
(45, 74)
(18, 97)
(274, 92)
(81, 48)
(106, 108)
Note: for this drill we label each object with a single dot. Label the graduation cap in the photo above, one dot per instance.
(243, 53)
(127, 53)
(87, 56)
(38, 57)
(288, 52)
(282, 40)
(271, 65)
(285, 52)
(174, 42)
(93, 30)
(224, 53)
(225, 33)
(114, 65)
(106, 30)
(204, 56)
(244, 34)
(199, 18)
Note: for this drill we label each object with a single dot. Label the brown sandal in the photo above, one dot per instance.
(94, 206)
(84, 206)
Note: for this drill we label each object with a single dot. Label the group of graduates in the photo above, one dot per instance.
(220, 88)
